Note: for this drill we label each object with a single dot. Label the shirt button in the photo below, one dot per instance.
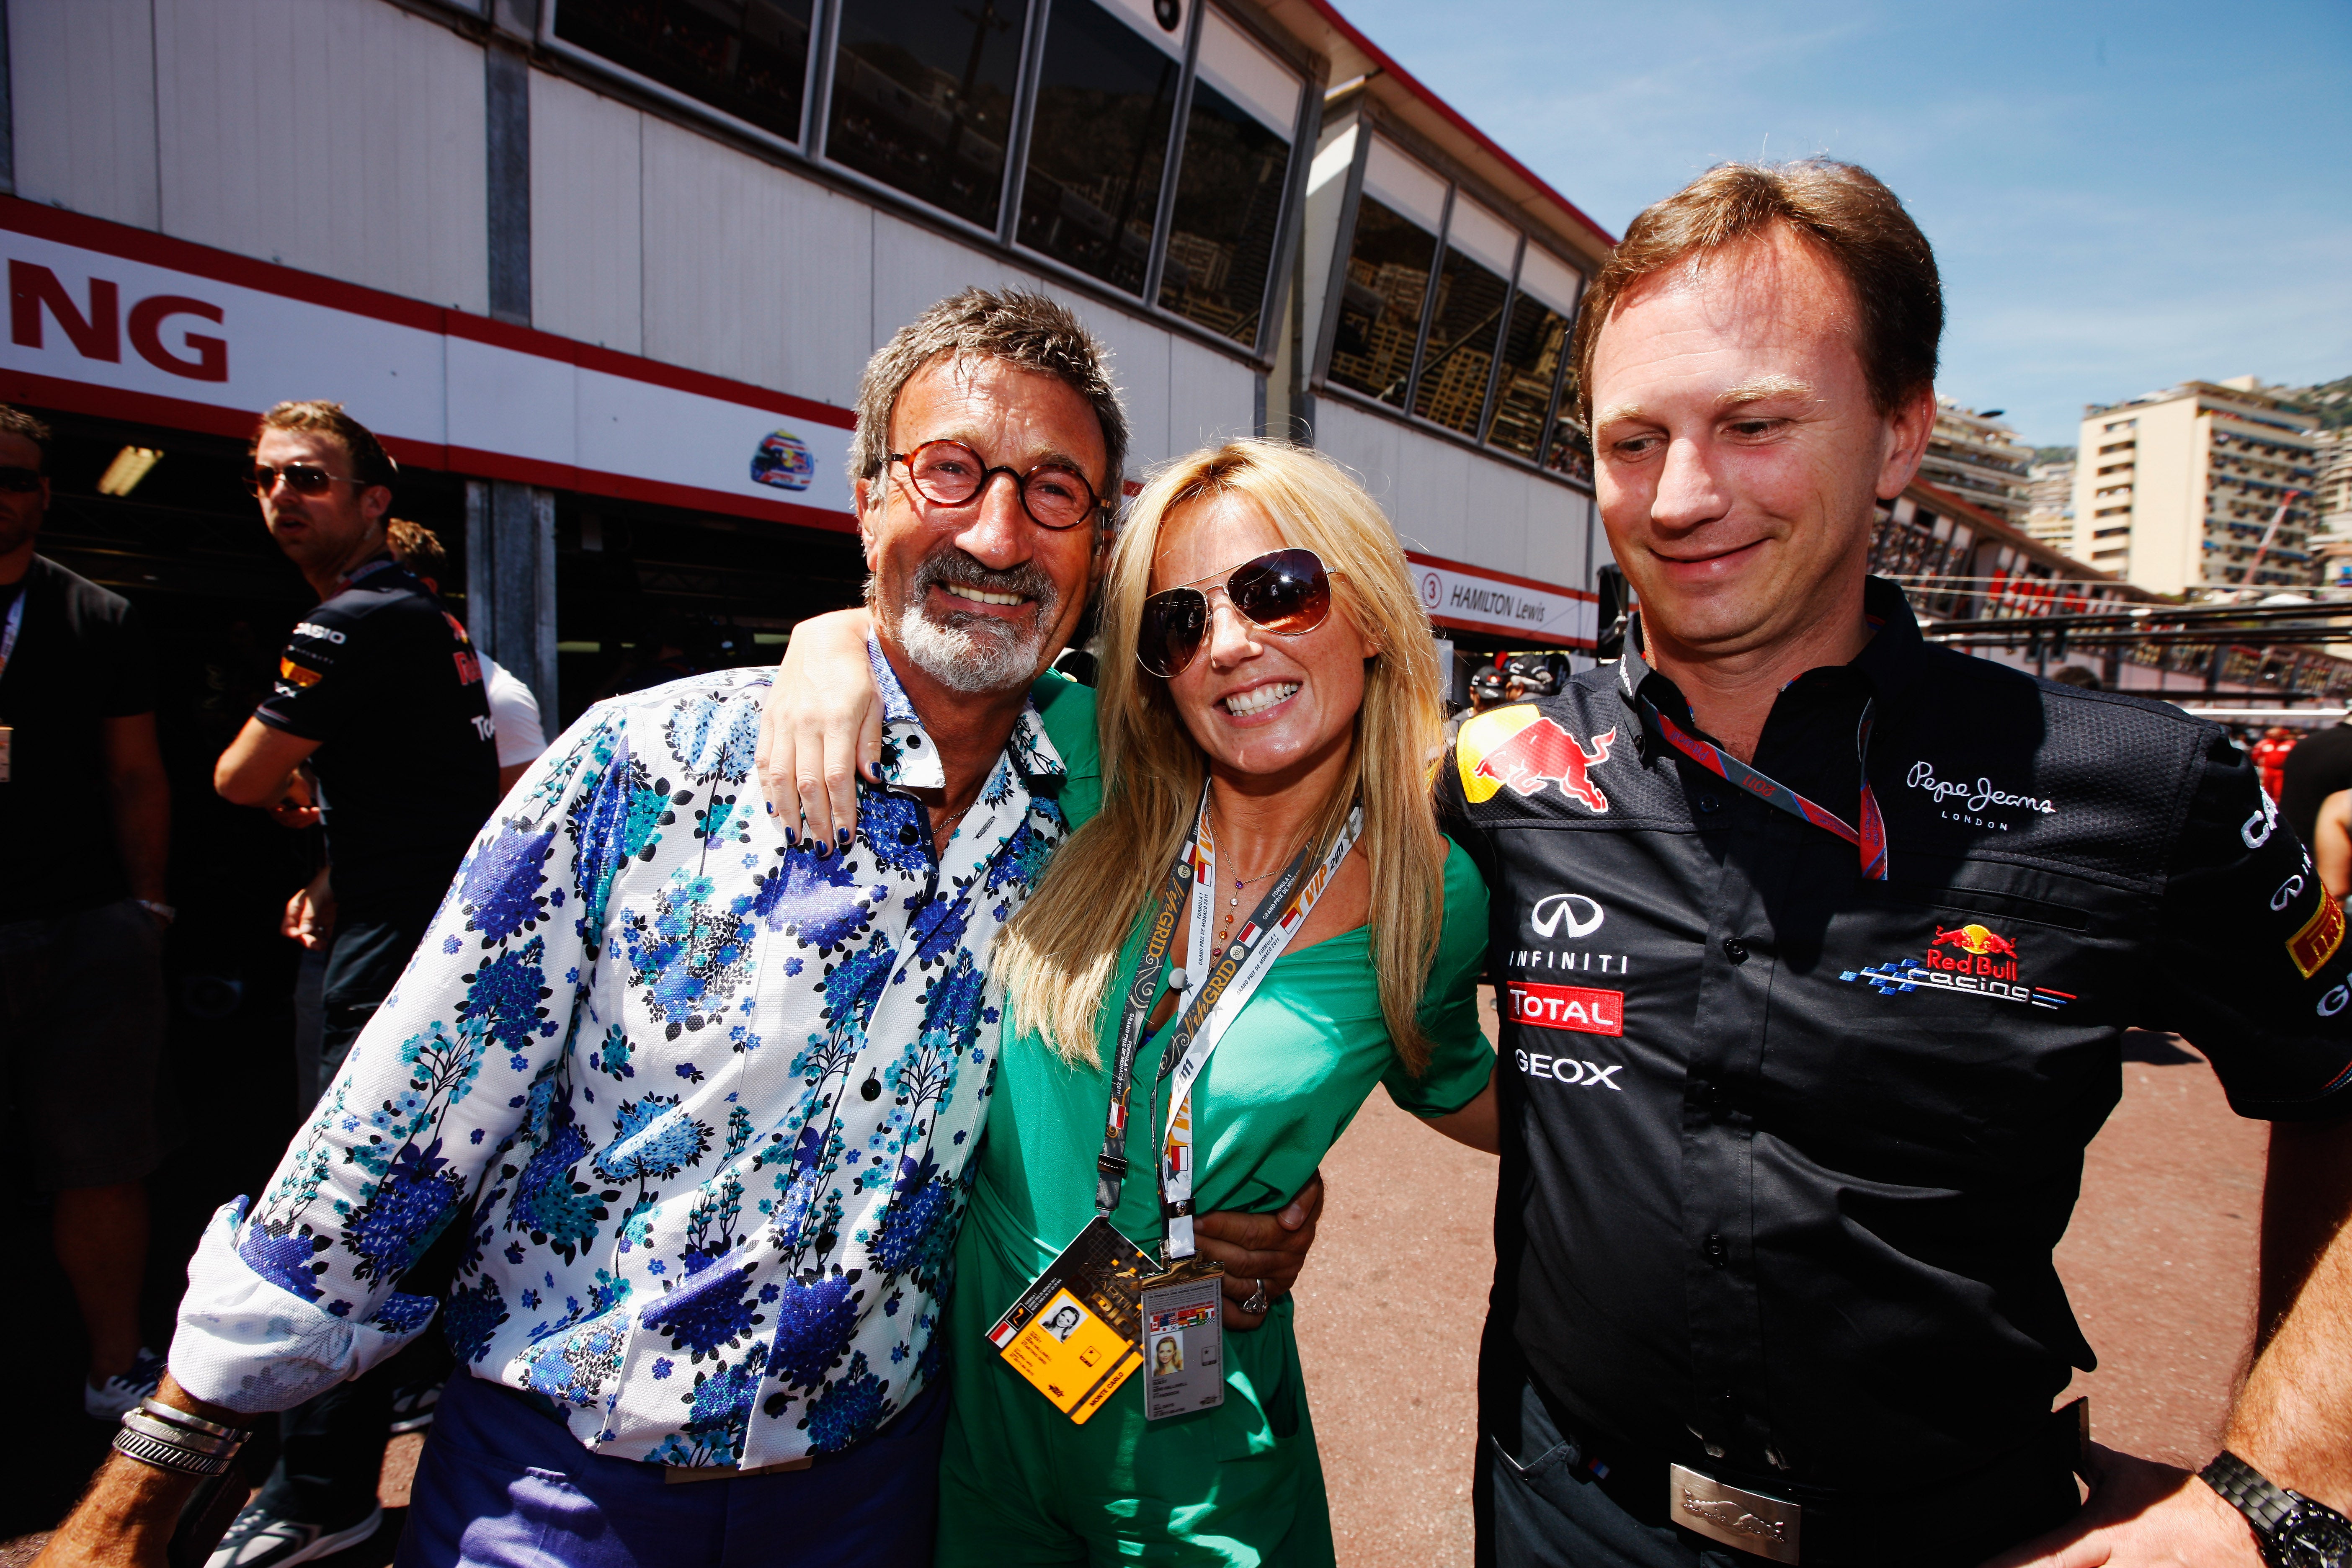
(906, 833)
(1708, 805)
(1716, 1252)
(1735, 950)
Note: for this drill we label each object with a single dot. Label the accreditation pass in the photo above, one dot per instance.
(1073, 1332)
(1184, 1340)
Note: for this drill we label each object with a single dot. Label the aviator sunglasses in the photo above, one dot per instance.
(1286, 592)
(302, 478)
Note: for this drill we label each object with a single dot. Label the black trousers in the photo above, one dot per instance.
(331, 1452)
(1538, 1506)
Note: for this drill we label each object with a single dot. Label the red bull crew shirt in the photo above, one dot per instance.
(1786, 1151)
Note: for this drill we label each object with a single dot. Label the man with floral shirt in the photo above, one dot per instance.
(710, 1086)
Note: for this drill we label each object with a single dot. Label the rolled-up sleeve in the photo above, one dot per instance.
(297, 1292)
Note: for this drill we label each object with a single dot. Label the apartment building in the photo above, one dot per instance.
(2176, 489)
(2049, 510)
(1975, 456)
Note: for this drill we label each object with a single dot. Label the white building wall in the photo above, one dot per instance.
(1447, 501)
(343, 137)
(587, 212)
(81, 80)
(752, 272)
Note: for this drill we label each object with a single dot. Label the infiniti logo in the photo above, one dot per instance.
(1582, 916)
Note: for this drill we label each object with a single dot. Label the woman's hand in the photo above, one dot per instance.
(821, 730)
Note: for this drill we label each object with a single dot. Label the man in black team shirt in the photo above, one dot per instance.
(85, 817)
(380, 695)
(1816, 946)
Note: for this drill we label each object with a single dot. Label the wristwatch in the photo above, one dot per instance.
(2296, 1531)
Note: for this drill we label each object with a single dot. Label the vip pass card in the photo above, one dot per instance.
(1073, 1333)
(1184, 1340)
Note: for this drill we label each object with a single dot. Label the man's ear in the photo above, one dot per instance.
(1908, 426)
(375, 501)
(866, 502)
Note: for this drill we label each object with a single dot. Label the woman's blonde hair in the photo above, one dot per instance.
(1059, 954)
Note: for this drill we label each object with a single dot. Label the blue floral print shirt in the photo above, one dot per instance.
(716, 1094)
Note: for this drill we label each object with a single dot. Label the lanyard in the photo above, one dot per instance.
(1220, 990)
(1871, 838)
(15, 623)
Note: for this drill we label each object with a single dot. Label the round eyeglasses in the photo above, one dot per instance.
(1054, 494)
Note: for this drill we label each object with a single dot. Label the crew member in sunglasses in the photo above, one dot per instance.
(379, 699)
(1266, 881)
(711, 1081)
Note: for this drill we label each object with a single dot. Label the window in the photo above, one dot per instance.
(1481, 252)
(1389, 259)
(1098, 136)
(746, 58)
(1533, 345)
(922, 98)
(1230, 183)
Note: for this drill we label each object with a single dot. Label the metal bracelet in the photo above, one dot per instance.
(164, 1432)
(179, 1418)
(168, 1457)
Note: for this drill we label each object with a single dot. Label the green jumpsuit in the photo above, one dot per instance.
(1239, 1484)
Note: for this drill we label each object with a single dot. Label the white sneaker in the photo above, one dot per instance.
(108, 1401)
(260, 1539)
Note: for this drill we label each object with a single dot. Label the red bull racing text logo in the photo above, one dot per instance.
(1519, 747)
(1965, 958)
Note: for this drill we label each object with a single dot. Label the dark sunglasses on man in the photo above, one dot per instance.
(19, 480)
(1286, 592)
(949, 473)
(302, 478)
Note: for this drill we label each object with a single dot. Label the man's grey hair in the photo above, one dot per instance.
(1016, 326)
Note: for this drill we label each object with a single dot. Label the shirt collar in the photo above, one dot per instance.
(910, 759)
(1887, 662)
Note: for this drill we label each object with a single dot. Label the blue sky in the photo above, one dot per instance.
(2121, 197)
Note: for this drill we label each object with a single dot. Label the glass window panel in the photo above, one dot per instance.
(1571, 452)
(1380, 305)
(1532, 347)
(1230, 186)
(746, 58)
(1550, 280)
(922, 98)
(1097, 145)
(1404, 186)
(1461, 351)
(1481, 236)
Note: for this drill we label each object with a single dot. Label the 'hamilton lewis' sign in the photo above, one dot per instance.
(1478, 598)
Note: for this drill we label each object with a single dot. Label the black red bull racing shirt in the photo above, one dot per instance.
(1785, 1152)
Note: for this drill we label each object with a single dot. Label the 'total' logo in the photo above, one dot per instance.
(1576, 1007)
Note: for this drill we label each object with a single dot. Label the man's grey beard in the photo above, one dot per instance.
(977, 653)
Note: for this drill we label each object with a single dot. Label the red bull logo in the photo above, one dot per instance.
(1975, 939)
(1519, 747)
(1981, 952)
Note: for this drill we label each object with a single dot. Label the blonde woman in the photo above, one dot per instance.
(1269, 696)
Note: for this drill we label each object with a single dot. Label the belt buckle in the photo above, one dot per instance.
(1765, 1526)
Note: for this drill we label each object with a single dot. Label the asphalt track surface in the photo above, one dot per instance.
(2159, 1263)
